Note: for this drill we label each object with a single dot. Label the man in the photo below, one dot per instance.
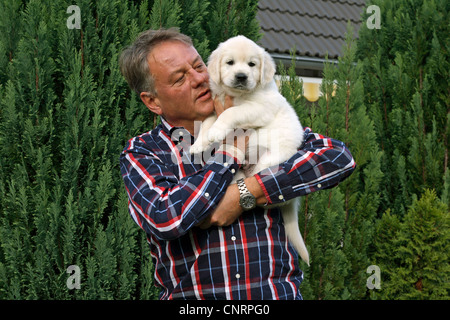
(203, 244)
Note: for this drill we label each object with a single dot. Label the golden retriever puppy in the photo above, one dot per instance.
(242, 69)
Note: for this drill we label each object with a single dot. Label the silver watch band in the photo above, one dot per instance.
(242, 187)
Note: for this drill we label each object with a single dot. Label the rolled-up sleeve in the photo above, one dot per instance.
(320, 163)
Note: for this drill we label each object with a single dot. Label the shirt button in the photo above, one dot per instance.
(206, 194)
(280, 197)
(233, 171)
(225, 164)
(233, 238)
(238, 275)
(319, 186)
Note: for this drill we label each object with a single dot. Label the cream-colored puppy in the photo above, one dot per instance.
(242, 69)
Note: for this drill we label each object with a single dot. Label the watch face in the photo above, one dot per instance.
(248, 202)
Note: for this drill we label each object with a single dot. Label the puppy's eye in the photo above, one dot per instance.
(251, 64)
(230, 63)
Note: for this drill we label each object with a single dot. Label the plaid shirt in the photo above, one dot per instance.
(170, 192)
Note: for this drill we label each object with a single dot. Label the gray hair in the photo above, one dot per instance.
(133, 59)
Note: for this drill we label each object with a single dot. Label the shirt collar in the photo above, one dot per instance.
(174, 132)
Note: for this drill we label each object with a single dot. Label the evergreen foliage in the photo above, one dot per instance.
(66, 113)
(407, 64)
(388, 100)
(406, 67)
(338, 224)
(414, 252)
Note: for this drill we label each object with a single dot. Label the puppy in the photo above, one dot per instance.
(242, 69)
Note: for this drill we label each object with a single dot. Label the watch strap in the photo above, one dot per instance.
(245, 194)
(242, 187)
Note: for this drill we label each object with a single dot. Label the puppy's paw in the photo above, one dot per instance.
(217, 134)
(198, 147)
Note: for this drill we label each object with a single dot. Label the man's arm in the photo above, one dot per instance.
(229, 209)
(321, 163)
(162, 204)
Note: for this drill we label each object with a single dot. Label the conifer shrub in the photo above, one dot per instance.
(65, 115)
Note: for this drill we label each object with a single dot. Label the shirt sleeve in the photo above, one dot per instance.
(164, 205)
(320, 163)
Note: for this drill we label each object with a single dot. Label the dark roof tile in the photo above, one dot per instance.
(314, 27)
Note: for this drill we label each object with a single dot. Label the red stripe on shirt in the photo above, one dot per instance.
(247, 260)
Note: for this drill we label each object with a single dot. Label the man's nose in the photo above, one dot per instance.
(198, 78)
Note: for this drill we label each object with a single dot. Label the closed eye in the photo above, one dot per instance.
(180, 79)
(199, 66)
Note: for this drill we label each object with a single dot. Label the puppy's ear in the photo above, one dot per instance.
(267, 68)
(214, 66)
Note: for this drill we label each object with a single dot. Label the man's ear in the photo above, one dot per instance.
(151, 102)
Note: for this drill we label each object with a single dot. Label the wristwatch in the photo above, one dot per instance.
(247, 201)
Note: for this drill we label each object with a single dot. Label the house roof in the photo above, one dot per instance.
(314, 27)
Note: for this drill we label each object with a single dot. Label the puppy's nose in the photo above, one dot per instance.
(241, 77)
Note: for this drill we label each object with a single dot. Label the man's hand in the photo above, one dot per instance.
(227, 211)
(236, 138)
(219, 107)
(220, 130)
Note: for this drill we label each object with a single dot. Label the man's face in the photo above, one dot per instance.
(181, 83)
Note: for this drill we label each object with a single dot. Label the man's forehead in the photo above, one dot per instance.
(172, 54)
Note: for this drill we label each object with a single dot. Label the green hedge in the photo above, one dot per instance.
(66, 113)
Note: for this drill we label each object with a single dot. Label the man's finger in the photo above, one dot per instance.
(229, 101)
(218, 106)
(205, 223)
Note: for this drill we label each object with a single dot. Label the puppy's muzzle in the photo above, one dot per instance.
(240, 79)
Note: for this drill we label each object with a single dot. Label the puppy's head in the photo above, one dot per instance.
(239, 65)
